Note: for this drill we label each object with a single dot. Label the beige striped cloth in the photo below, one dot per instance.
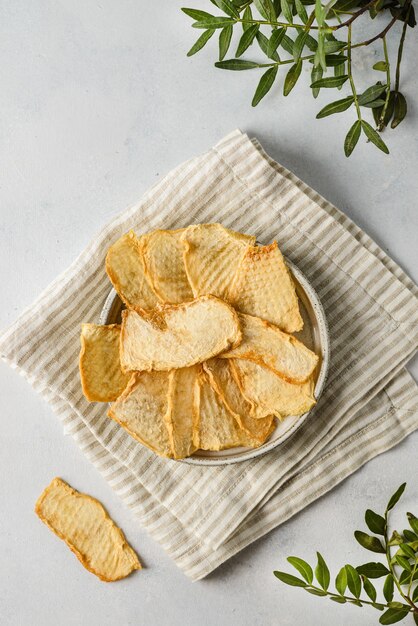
(204, 515)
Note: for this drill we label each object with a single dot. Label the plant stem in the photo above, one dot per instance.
(267, 23)
(334, 594)
(357, 14)
(350, 75)
(392, 569)
(400, 49)
(385, 106)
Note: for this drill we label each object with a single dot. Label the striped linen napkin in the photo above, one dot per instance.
(204, 515)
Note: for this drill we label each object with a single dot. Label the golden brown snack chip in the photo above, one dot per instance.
(142, 408)
(263, 287)
(267, 345)
(211, 255)
(83, 523)
(181, 410)
(101, 375)
(178, 335)
(125, 268)
(269, 393)
(217, 427)
(220, 377)
(164, 265)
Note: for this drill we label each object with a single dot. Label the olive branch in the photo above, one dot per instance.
(291, 33)
(400, 570)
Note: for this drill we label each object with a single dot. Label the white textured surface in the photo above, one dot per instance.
(98, 99)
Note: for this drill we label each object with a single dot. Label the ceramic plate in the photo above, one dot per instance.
(314, 335)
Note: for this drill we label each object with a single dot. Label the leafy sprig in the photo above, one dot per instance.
(400, 570)
(293, 33)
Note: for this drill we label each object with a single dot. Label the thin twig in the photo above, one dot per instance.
(400, 49)
(355, 15)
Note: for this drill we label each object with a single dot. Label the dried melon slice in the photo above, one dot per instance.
(270, 394)
(164, 265)
(223, 382)
(178, 335)
(267, 345)
(126, 270)
(211, 255)
(181, 412)
(217, 427)
(141, 410)
(101, 375)
(82, 522)
(263, 287)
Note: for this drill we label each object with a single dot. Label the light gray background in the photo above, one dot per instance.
(98, 100)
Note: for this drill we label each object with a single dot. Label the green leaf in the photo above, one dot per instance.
(335, 107)
(415, 614)
(407, 550)
(388, 588)
(356, 602)
(286, 10)
(397, 605)
(391, 616)
(373, 570)
(319, 58)
(198, 45)
(371, 94)
(319, 13)
(380, 66)
(403, 562)
(375, 138)
(330, 81)
(265, 84)
(237, 65)
(395, 539)
(339, 70)
(415, 595)
(247, 16)
(394, 499)
(224, 40)
(376, 104)
(353, 581)
(266, 9)
(303, 568)
(338, 599)
(378, 606)
(227, 7)
(287, 44)
(341, 581)
(299, 44)
(400, 110)
(322, 572)
(316, 74)
(301, 11)
(275, 41)
(293, 581)
(246, 39)
(316, 592)
(409, 535)
(367, 541)
(196, 14)
(333, 46)
(413, 522)
(352, 138)
(375, 522)
(213, 22)
(311, 43)
(405, 577)
(292, 77)
(263, 42)
(369, 588)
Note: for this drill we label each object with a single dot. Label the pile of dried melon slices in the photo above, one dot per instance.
(204, 357)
